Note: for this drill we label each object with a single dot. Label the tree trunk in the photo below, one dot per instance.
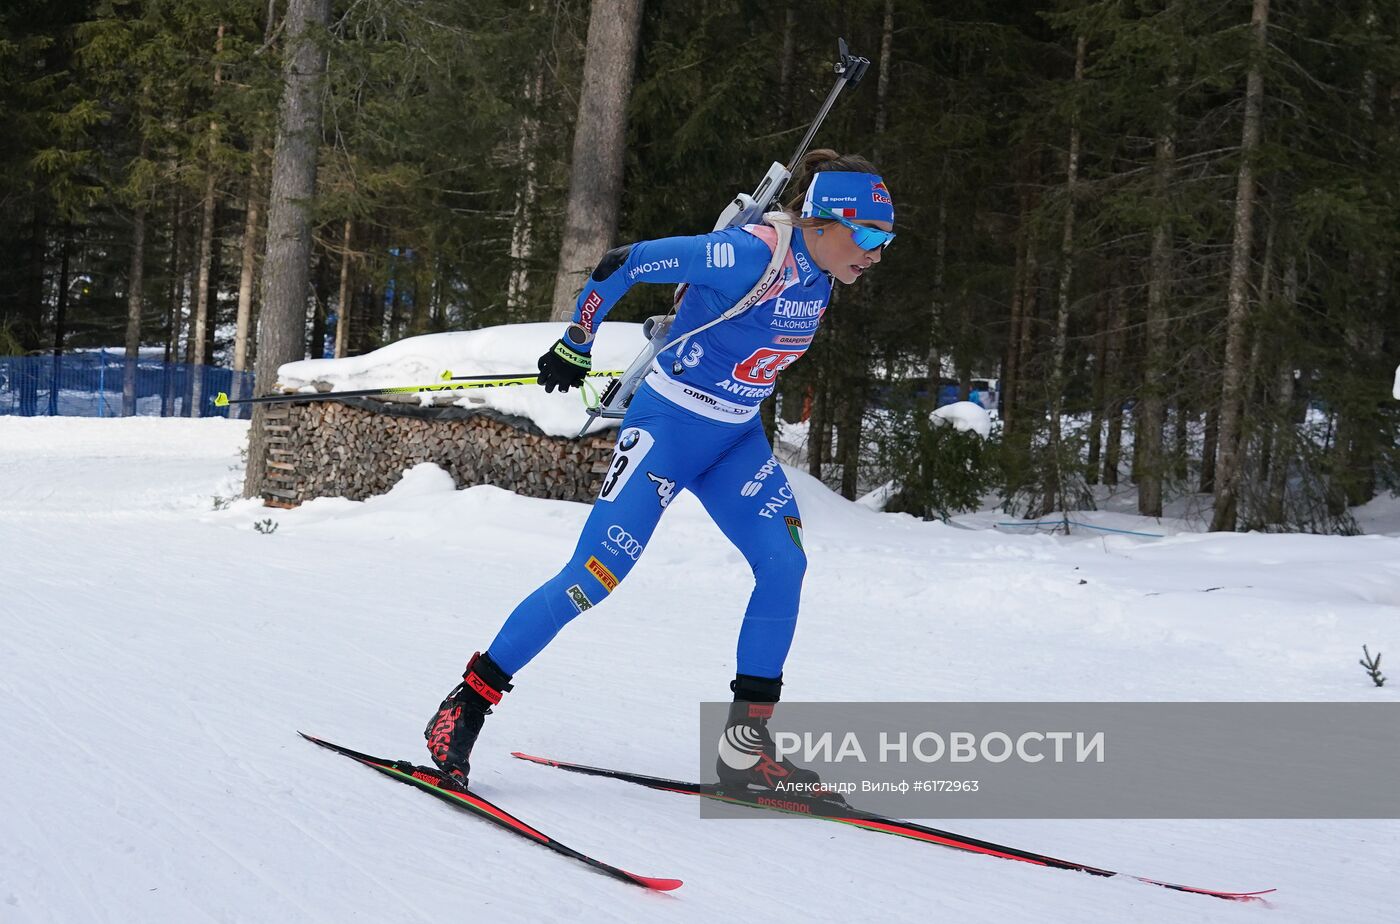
(175, 308)
(522, 245)
(1055, 498)
(134, 302)
(60, 319)
(1152, 468)
(1285, 410)
(1011, 372)
(287, 264)
(343, 307)
(1232, 374)
(1209, 443)
(940, 305)
(247, 273)
(595, 173)
(1096, 413)
(206, 248)
(321, 296)
(1113, 382)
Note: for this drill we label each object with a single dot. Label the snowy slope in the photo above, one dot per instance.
(157, 657)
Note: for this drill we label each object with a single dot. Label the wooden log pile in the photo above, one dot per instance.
(360, 449)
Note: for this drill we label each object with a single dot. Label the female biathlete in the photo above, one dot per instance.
(694, 425)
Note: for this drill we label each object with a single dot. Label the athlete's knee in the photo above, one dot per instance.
(585, 583)
(783, 567)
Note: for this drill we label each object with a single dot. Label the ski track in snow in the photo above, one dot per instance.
(157, 658)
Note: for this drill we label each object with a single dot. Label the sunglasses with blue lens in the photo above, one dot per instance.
(865, 237)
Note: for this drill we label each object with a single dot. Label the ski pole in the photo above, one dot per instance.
(449, 383)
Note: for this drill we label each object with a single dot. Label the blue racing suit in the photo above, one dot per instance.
(693, 425)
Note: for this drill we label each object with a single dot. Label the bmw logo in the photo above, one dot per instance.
(629, 439)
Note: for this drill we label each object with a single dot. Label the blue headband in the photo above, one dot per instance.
(858, 196)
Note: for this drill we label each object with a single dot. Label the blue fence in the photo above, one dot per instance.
(89, 384)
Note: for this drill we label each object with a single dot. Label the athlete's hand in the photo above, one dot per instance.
(565, 366)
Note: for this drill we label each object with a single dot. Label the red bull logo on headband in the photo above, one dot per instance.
(850, 195)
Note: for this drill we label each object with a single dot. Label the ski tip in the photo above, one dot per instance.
(656, 884)
(538, 760)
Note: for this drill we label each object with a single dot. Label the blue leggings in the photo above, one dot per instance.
(662, 449)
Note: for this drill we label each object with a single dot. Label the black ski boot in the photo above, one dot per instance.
(747, 754)
(452, 730)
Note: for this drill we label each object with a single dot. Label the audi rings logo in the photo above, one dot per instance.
(624, 541)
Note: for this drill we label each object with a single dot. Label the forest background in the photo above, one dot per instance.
(1169, 227)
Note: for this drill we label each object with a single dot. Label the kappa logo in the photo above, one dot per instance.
(578, 598)
(719, 256)
(665, 489)
(589, 309)
(625, 543)
(601, 572)
(777, 502)
(756, 483)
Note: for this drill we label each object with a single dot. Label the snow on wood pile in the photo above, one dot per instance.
(518, 438)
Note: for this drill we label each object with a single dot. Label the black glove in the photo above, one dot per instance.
(565, 366)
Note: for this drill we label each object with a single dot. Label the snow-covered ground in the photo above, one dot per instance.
(158, 655)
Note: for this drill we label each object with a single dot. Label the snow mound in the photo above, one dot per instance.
(965, 415)
(507, 350)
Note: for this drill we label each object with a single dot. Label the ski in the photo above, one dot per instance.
(449, 383)
(436, 784)
(845, 814)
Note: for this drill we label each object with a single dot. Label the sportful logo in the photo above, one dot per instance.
(665, 488)
(719, 256)
(589, 309)
(756, 485)
(601, 572)
(653, 266)
(625, 543)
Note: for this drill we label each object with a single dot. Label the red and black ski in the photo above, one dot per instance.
(845, 814)
(446, 789)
